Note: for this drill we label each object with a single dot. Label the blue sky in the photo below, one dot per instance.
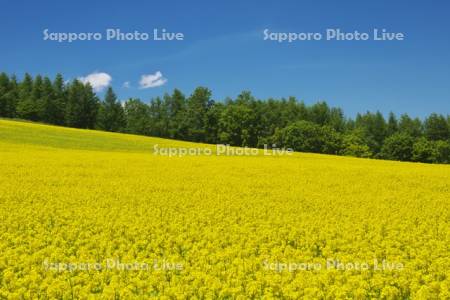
(224, 49)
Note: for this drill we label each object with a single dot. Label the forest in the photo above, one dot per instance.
(243, 121)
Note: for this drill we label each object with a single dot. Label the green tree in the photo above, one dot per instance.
(111, 116)
(443, 152)
(412, 127)
(212, 123)
(48, 103)
(424, 151)
(374, 129)
(195, 119)
(398, 146)
(273, 115)
(436, 128)
(138, 117)
(159, 118)
(176, 112)
(337, 120)
(82, 105)
(306, 136)
(448, 121)
(238, 123)
(58, 106)
(8, 96)
(13, 96)
(392, 124)
(27, 106)
(319, 113)
(427, 151)
(353, 144)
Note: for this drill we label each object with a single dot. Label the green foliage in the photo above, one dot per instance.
(137, 115)
(398, 146)
(411, 127)
(436, 128)
(238, 122)
(427, 151)
(194, 121)
(8, 96)
(319, 113)
(82, 106)
(392, 124)
(424, 151)
(27, 107)
(212, 122)
(176, 114)
(306, 136)
(353, 144)
(443, 152)
(111, 116)
(374, 129)
(244, 121)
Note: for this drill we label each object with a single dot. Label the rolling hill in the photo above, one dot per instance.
(94, 214)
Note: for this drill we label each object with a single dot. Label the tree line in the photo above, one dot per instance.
(244, 121)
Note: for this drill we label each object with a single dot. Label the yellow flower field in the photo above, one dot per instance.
(94, 215)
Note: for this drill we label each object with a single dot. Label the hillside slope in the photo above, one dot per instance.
(84, 200)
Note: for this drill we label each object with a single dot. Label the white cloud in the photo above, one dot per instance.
(152, 80)
(98, 80)
(126, 84)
